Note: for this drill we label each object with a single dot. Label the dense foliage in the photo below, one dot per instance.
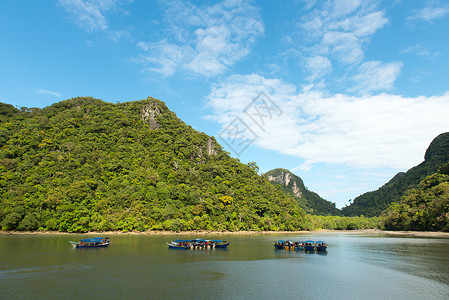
(342, 223)
(293, 185)
(84, 164)
(374, 203)
(425, 208)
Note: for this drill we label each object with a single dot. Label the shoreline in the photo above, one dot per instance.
(425, 234)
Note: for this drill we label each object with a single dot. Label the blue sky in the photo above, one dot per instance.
(343, 93)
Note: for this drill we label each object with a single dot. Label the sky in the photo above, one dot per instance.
(343, 93)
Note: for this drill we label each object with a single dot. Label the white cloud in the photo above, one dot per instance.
(318, 66)
(420, 50)
(337, 30)
(166, 57)
(362, 132)
(373, 76)
(89, 14)
(47, 92)
(429, 13)
(215, 37)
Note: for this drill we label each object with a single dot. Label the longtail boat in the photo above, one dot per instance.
(197, 244)
(95, 242)
(309, 246)
(321, 246)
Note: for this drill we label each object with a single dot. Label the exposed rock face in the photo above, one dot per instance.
(279, 178)
(149, 113)
(285, 179)
(211, 147)
(293, 185)
(296, 190)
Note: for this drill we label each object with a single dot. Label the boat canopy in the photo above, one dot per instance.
(93, 240)
(182, 241)
(281, 241)
(321, 242)
(309, 241)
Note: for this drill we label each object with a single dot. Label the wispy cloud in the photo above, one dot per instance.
(420, 50)
(88, 14)
(362, 132)
(374, 76)
(47, 92)
(202, 40)
(91, 15)
(431, 12)
(333, 34)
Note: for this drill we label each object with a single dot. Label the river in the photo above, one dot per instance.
(356, 266)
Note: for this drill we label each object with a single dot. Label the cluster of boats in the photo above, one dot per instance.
(197, 244)
(92, 243)
(307, 246)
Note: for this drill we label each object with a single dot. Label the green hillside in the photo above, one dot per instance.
(84, 164)
(425, 208)
(374, 203)
(293, 185)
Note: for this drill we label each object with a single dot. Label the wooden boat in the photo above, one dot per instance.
(198, 244)
(279, 245)
(299, 245)
(220, 244)
(95, 242)
(177, 245)
(321, 246)
(309, 246)
(287, 245)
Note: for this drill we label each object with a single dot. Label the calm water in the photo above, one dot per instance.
(142, 267)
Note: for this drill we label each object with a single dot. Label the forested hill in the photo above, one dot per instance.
(373, 203)
(84, 164)
(425, 208)
(310, 201)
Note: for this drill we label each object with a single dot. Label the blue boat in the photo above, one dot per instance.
(95, 242)
(299, 245)
(309, 246)
(279, 244)
(179, 244)
(321, 246)
(220, 244)
(287, 245)
(198, 244)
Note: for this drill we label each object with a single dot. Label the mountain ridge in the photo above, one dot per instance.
(292, 184)
(375, 202)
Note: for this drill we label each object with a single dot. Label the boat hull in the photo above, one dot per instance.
(93, 246)
(223, 246)
(78, 245)
(172, 246)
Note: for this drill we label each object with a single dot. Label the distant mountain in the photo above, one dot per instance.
(293, 185)
(84, 164)
(373, 203)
